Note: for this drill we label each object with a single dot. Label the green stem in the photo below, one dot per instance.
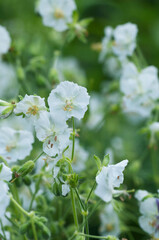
(36, 190)
(73, 139)
(19, 207)
(71, 190)
(78, 196)
(91, 192)
(35, 159)
(93, 236)
(74, 208)
(34, 229)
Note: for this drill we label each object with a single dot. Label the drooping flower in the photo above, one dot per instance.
(140, 89)
(140, 194)
(109, 221)
(56, 13)
(31, 106)
(15, 145)
(109, 178)
(53, 132)
(149, 221)
(68, 100)
(5, 40)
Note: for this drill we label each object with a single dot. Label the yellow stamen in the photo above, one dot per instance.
(58, 13)
(33, 110)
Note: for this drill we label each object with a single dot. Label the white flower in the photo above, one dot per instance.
(5, 40)
(109, 178)
(56, 13)
(15, 145)
(121, 41)
(53, 132)
(80, 156)
(149, 221)
(140, 194)
(140, 89)
(9, 85)
(65, 189)
(154, 128)
(125, 39)
(68, 100)
(5, 172)
(109, 221)
(31, 106)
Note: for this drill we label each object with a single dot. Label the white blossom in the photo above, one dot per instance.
(120, 41)
(56, 13)
(68, 100)
(31, 106)
(125, 39)
(15, 145)
(140, 194)
(109, 221)
(140, 89)
(53, 132)
(5, 40)
(149, 221)
(109, 178)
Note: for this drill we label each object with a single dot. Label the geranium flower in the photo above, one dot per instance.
(68, 100)
(53, 132)
(109, 178)
(149, 221)
(56, 13)
(15, 145)
(31, 106)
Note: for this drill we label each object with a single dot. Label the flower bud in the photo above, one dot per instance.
(5, 109)
(26, 168)
(57, 188)
(72, 180)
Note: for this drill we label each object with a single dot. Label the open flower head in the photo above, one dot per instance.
(15, 145)
(5, 40)
(53, 132)
(149, 221)
(140, 89)
(68, 100)
(31, 106)
(125, 39)
(109, 221)
(56, 13)
(109, 178)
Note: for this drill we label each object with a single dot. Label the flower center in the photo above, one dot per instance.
(109, 227)
(68, 106)
(33, 110)
(9, 148)
(58, 13)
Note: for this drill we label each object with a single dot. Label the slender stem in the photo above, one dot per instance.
(34, 229)
(94, 236)
(36, 190)
(73, 140)
(91, 191)
(38, 157)
(19, 207)
(74, 208)
(78, 196)
(71, 190)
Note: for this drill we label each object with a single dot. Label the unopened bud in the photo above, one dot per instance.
(73, 180)
(5, 109)
(26, 168)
